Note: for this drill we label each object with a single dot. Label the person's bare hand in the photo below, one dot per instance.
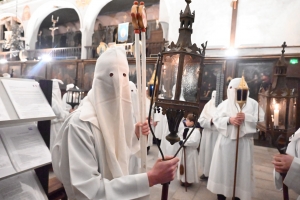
(238, 119)
(163, 171)
(234, 121)
(282, 162)
(71, 110)
(241, 116)
(144, 127)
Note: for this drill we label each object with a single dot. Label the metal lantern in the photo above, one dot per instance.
(179, 78)
(74, 94)
(279, 103)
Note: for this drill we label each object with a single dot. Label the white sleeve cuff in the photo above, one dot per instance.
(142, 184)
(292, 179)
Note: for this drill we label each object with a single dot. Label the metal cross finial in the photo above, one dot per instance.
(283, 46)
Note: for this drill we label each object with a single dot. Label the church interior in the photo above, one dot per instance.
(183, 56)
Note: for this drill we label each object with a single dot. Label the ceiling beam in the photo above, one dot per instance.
(233, 22)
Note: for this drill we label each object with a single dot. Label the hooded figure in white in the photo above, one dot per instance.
(209, 134)
(292, 179)
(91, 153)
(221, 175)
(58, 109)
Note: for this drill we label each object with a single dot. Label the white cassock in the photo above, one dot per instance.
(209, 134)
(191, 154)
(92, 151)
(221, 175)
(292, 179)
(59, 111)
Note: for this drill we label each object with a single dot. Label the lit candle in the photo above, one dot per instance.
(276, 115)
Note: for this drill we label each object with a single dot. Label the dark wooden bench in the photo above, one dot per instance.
(56, 190)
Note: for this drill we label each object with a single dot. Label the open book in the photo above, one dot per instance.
(22, 186)
(22, 148)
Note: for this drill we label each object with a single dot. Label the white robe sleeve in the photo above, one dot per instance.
(203, 120)
(220, 119)
(251, 119)
(292, 179)
(75, 163)
(60, 113)
(194, 139)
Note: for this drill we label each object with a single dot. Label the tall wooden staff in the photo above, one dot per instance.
(241, 99)
(281, 144)
(139, 22)
(184, 152)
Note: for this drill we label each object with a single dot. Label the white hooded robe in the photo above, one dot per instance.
(209, 135)
(92, 151)
(221, 175)
(59, 111)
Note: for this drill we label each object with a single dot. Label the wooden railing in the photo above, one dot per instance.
(56, 53)
(75, 52)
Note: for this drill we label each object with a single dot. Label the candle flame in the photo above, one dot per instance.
(276, 107)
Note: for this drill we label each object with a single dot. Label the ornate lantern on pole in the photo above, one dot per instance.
(179, 76)
(74, 94)
(279, 103)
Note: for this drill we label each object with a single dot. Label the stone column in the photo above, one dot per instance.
(86, 40)
(165, 28)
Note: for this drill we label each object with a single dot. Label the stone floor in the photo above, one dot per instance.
(263, 171)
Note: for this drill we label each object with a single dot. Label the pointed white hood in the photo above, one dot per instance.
(210, 107)
(56, 93)
(108, 107)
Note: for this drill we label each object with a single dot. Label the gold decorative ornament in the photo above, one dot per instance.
(82, 3)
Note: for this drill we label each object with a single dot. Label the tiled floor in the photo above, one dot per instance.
(263, 172)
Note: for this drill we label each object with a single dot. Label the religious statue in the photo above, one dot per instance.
(53, 28)
(8, 25)
(109, 34)
(40, 39)
(13, 37)
(101, 48)
(26, 13)
(70, 37)
(99, 35)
